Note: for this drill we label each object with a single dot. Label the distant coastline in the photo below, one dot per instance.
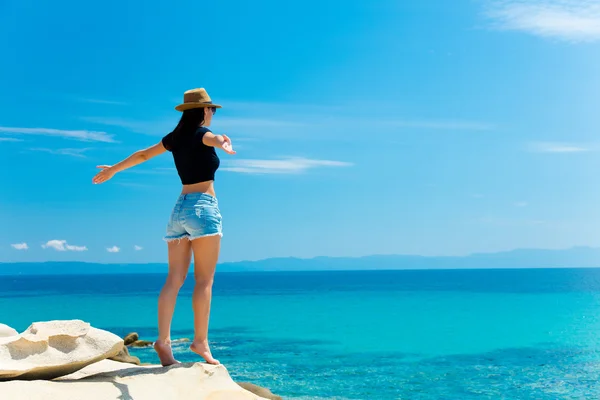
(576, 257)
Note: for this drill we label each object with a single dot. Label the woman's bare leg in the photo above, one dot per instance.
(206, 254)
(180, 254)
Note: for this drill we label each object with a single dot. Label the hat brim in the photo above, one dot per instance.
(189, 106)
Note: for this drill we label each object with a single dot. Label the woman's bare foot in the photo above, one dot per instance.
(165, 353)
(201, 348)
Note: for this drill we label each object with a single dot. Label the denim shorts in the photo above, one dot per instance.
(195, 215)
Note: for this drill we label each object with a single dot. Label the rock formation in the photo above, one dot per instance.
(110, 380)
(6, 330)
(141, 343)
(132, 337)
(124, 357)
(259, 391)
(70, 360)
(47, 350)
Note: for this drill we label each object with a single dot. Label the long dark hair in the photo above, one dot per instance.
(187, 126)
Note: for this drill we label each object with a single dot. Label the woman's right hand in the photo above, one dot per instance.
(104, 175)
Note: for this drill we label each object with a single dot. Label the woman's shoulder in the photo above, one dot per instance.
(202, 130)
(199, 135)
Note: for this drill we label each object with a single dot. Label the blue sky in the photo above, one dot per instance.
(384, 127)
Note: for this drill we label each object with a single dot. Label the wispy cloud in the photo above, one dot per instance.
(290, 165)
(164, 126)
(570, 20)
(263, 122)
(113, 249)
(138, 248)
(20, 246)
(108, 102)
(84, 136)
(520, 204)
(10, 139)
(278, 107)
(435, 124)
(325, 121)
(508, 222)
(150, 127)
(62, 245)
(293, 123)
(555, 147)
(63, 152)
(279, 115)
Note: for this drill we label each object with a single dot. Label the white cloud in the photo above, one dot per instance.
(435, 124)
(521, 204)
(10, 139)
(302, 115)
(553, 147)
(156, 127)
(113, 249)
(164, 126)
(507, 222)
(293, 122)
(325, 121)
(63, 152)
(61, 245)
(278, 107)
(260, 123)
(81, 135)
(138, 248)
(20, 246)
(570, 20)
(291, 165)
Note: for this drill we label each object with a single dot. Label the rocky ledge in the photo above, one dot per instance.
(70, 360)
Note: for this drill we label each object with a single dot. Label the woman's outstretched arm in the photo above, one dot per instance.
(219, 141)
(136, 158)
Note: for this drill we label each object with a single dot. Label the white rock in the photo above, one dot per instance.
(6, 331)
(101, 367)
(47, 350)
(198, 381)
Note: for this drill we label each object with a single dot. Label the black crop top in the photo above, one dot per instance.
(195, 161)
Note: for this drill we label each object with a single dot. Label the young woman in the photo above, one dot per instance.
(195, 223)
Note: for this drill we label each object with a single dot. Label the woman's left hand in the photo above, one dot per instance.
(226, 146)
(104, 175)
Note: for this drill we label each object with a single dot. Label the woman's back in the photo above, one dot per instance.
(195, 161)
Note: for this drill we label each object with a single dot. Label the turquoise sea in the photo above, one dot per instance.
(452, 334)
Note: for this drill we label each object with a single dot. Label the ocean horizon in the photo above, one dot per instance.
(573, 257)
(429, 334)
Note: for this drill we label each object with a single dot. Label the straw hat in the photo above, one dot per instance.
(196, 98)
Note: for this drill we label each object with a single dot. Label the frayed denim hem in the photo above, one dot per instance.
(172, 239)
(190, 238)
(207, 235)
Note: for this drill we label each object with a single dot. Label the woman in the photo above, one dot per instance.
(195, 223)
